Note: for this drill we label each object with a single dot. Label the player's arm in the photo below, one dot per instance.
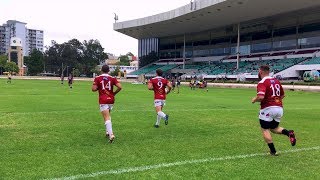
(258, 98)
(261, 90)
(119, 87)
(94, 87)
(150, 86)
(281, 92)
(169, 85)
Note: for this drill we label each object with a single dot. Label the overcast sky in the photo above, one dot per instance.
(62, 20)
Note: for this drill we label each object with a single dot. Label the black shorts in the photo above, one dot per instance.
(269, 125)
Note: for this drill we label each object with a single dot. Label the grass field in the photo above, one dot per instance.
(50, 131)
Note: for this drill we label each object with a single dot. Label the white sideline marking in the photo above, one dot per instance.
(151, 110)
(179, 163)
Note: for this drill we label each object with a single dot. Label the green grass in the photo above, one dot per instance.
(48, 131)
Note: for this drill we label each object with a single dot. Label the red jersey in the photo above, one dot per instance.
(105, 85)
(159, 87)
(272, 91)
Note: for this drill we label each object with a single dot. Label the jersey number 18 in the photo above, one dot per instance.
(275, 89)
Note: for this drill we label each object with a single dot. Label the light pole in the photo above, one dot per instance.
(67, 71)
(116, 18)
(60, 55)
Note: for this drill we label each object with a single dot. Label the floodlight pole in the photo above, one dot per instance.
(184, 51)
(238, 47)
(115, 18)
(60, 55)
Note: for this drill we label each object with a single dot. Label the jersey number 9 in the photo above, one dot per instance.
(160, 84)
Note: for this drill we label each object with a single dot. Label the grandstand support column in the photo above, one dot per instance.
(184, 51)
(272, 38)
(238, 47)
(297, 34)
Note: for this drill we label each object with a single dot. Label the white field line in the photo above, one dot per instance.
(178, 163)
(146, 110)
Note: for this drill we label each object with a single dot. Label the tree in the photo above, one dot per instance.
(3, 62)
(129, 54)
(59, 56)
(74, 54)
(52, 57)
(93, 55)
(11, 67)
(35, 62)
(115, 72)
(124, 60)
(76, 73)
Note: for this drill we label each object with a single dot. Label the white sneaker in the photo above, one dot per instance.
(111, 138)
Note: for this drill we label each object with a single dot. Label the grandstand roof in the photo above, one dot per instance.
(208, 14)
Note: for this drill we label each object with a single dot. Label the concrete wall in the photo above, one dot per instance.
(294, 70)
(206, 59)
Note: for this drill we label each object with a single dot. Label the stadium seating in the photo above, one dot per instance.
(312, 61)
(163, 68)
(230, 68)
(146, 69)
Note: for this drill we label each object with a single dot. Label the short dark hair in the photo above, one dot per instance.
(265, 68)
(159, 72)
(105, 68)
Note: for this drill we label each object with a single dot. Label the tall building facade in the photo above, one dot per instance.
(4, 39)
(34, 40)
(31, 39)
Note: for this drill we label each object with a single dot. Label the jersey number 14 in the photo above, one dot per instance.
(108, 85)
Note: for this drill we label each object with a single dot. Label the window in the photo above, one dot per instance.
(261, 47)
(284, 45)
(201, 53)
(245, 49)
(309, 42)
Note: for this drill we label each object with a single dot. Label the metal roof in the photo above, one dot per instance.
(208, 14)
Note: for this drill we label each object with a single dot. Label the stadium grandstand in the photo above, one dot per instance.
(229, 38)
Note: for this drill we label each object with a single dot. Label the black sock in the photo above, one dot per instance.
(285, 132)
(271, 147)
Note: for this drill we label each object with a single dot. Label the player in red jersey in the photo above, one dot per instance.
(270, 94)
(104, 84)
(158, 84)
(70, 80)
